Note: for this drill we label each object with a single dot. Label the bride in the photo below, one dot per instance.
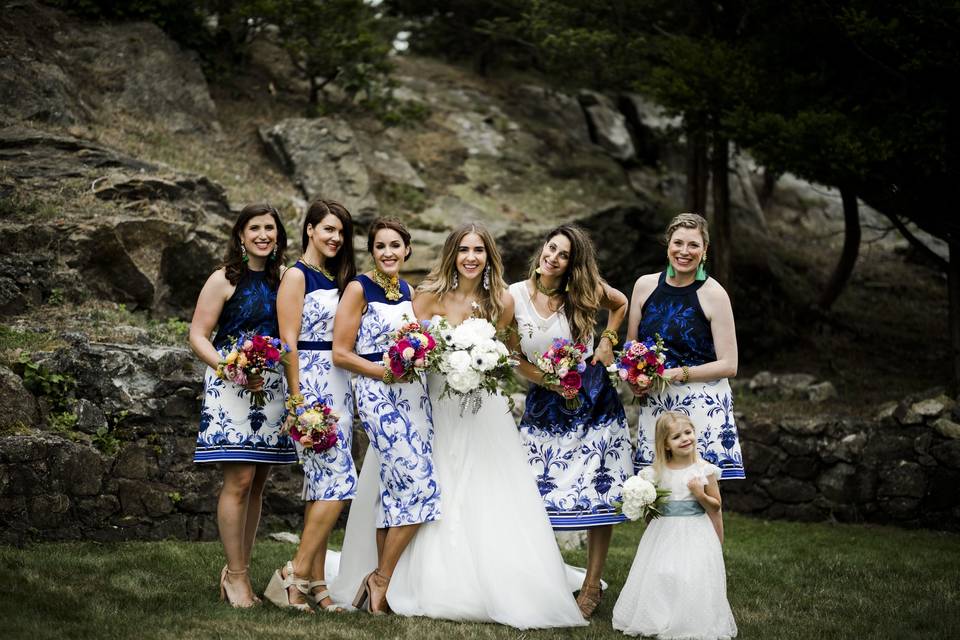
(492, 557)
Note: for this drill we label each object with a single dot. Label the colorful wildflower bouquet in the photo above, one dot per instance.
(472, 359)
(640, 364)
(642, 498)
(562, 365)
(251, 356)
(315, 427)
(412, 349)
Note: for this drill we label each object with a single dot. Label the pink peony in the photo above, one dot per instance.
(571, 380)
(419, 363)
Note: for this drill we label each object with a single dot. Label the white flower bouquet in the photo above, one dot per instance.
(642, 498)
(472, 359)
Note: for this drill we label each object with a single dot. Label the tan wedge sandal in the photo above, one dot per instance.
(319, 597)
(277, 590)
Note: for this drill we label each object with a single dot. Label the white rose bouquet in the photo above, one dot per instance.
(642, 498)
(473, 360)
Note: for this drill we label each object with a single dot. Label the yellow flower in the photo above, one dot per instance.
(241, 361)
(231, 357)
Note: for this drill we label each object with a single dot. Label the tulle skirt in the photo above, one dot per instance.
(677, 587)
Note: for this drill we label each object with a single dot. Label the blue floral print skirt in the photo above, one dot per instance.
(233, 430)
(580, 457)
(710, 407)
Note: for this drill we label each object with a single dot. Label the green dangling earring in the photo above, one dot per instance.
(670, 272)
(243, 253)
(701, 270)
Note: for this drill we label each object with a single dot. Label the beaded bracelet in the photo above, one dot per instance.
(610, 335)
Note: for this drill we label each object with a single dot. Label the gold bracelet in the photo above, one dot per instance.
(610, 335)
(686, 373)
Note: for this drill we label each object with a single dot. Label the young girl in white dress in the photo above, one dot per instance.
(677, 587)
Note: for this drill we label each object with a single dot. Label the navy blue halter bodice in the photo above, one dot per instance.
(675, 313)
(252, 307)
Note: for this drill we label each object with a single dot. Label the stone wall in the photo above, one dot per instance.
(121, 466)
(900, 467)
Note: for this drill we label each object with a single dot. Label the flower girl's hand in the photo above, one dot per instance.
(695, 485)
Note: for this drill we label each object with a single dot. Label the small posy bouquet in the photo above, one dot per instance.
(248, 358)
(642, 498)
(472, 359)
(562, 365)
(640, 364)
(412, 348)
(315, 427)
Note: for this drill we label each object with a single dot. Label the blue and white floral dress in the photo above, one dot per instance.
(580, 457)
(675, 313)
(231, 428)
(398, 418)
(330, 475)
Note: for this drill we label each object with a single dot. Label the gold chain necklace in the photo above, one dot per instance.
(389, 284)
(316, 268)
(544, 290)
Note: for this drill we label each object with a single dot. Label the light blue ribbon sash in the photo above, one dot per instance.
(682, 508)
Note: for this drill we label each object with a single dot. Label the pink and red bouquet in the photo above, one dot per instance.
(562, 365)
(412, 349)
(315, 427)
(641, 364)
(248, 358)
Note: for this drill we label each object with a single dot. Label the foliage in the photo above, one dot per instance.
(11, 339)
(40, 381)
(786, 580)
(106, 441)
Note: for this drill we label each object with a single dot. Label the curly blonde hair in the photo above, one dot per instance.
(440, 279)
(581, 285)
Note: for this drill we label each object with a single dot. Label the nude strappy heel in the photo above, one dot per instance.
(276, 591)
(223, 588)
(319, 597)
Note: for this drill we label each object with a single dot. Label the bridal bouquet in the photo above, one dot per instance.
(472, 359)
(412, 349)
(642, 498)
(640, 364)
(315, 427)
(562, 365)
(248, 358)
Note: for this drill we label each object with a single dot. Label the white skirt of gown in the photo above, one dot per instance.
(492, 557)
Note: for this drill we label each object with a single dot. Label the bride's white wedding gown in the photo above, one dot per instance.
(492, 556)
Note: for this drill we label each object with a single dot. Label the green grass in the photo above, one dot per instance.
(785, 580)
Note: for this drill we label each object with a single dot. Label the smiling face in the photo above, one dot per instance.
(259, 235)
(681, 441)
(471, 256)
(326, 236)
(555, 256)
(685, 250)
(389, 251)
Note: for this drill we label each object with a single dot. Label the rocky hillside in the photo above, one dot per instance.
(122, 166)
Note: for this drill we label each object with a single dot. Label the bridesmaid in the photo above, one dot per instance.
(396, 417)
(693, 315)
(580, 457)
(241, 296)
(306, 304)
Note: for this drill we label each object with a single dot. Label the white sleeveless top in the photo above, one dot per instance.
(536, 332)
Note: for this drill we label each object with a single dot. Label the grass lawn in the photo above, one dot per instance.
(785, 580)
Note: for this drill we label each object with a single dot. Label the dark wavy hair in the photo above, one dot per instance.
(394, 225)
(343, 265)
(233, 258)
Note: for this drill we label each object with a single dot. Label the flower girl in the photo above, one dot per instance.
(677, 587)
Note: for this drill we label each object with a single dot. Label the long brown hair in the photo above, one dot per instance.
(233, 262)
(440, 279)
(344, 264)
(661, 432)
(581, 285)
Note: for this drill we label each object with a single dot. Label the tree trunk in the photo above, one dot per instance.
(697, 172)
(314, 92)
(721, 234)
(851, 248)
(953, 288)
(769, 184)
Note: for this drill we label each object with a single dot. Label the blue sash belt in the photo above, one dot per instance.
(314, 345)
(682, 508)
(372, 357)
